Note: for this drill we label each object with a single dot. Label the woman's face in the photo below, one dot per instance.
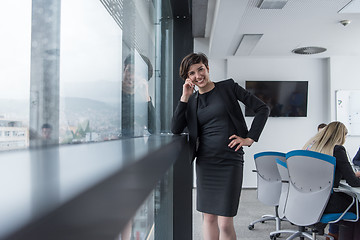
(128, 79)
(199, 74)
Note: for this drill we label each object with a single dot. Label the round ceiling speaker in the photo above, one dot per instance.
(309, 50)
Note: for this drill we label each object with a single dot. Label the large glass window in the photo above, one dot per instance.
(90, 72)
(15, 31)
(76, 71)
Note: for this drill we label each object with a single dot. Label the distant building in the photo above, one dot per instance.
(13, 135)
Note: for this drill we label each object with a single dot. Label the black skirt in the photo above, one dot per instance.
(219, 184)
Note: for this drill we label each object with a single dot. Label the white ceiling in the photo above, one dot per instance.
(300, 23)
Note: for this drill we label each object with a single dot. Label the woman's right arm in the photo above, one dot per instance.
(356, 159)
(179, 121)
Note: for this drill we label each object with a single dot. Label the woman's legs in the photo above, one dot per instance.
(334, 230)
(218, 227)
(226, 226)
(210, 227)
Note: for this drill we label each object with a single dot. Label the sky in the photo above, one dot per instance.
(15, 25)
(91, 45)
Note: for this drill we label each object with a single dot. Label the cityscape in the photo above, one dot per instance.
(81, 120)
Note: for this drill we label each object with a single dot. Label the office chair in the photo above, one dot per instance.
(283, 170)
(268, 184)
(311, 183)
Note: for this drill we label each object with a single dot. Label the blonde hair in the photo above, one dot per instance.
(326, 139)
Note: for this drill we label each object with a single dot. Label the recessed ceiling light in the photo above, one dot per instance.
(247, 44)
(272, 4)
(309, 50)
(351, 7)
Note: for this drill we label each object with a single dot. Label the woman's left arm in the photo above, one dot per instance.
(240, 142)
(261, 110)
(343, 164)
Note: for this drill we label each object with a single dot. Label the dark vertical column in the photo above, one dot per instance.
(182, 45)
(44, 79)
(182, 196)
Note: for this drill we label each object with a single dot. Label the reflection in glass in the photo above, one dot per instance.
(138, 111)
(44, 75)
(14, 199)
(44, 180)
(141, 226)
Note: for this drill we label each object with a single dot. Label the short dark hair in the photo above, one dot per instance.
(130, 59)
(46, 125)
(192, 58)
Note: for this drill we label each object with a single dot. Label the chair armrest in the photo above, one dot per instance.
(354, 200)
(347, 191)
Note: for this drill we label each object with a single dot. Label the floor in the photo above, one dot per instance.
(250, 209)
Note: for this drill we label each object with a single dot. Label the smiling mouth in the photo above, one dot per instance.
(200, 81)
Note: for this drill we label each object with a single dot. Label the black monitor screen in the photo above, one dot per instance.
(285, 98)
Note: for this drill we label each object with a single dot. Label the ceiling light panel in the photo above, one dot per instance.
(351, 7)
(247, 44)
(272, 4)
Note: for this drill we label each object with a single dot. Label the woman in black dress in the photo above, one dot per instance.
(217, 133)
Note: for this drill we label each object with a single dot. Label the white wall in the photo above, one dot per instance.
(325, 76)
(218, 67)
(345, 75)
(284, 133)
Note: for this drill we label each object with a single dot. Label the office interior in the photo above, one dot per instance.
(63, 64)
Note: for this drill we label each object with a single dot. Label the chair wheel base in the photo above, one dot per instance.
(273, 237)
(251, 227)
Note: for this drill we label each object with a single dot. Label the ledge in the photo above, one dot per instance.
(87, 191)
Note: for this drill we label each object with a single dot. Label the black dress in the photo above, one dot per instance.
(219, 168)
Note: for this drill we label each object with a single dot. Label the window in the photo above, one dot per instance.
(90, 70)
(14, 64)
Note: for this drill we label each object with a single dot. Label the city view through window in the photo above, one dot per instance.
(14, 74)
(85, 71)
(80, 71)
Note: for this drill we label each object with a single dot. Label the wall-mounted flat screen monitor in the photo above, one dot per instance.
(285, 98)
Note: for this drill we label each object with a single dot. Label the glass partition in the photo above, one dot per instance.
(154, 218)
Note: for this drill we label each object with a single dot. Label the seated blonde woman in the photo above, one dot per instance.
(330, 141)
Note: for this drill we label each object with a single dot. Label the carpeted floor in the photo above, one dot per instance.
(250, 209)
